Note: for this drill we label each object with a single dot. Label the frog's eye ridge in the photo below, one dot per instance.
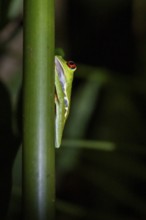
(71, 65)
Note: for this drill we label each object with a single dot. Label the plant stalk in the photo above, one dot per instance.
(38, 111)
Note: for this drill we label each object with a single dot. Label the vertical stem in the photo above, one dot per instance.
(38, 110)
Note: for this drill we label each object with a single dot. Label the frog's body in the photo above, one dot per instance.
(64, 73)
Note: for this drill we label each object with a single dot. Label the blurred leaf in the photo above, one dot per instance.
(15, 8)
(97, 145)
(60, 52)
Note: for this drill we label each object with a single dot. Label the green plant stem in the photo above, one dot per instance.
(38, 111)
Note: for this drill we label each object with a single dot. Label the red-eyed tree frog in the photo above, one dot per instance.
(64, 73)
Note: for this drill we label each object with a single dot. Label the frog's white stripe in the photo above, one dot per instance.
(60, 72)
(66, 103)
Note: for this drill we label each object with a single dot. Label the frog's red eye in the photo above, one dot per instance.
(71, 65)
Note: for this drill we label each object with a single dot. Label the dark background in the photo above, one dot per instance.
(107, 40)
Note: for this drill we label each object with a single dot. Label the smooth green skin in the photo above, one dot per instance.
(63, 94)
